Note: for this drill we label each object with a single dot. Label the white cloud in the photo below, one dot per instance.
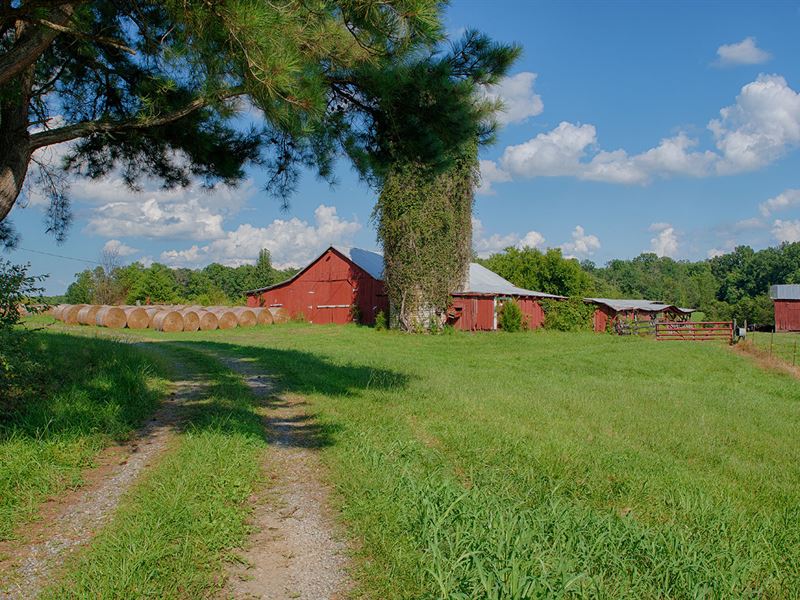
(714, 252)
(760, 127)
(490, 173)
(666, 242)
(582, 244)
(782, 201)
(557, 152)
(745, 52)
(519, 100)
(486, 246)
(292, 242)
(786, 231)
(118, 248)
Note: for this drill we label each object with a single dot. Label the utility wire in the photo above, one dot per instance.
(93, 262)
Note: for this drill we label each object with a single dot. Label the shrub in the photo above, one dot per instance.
(381, 321)
(511, 318)
(572, 314)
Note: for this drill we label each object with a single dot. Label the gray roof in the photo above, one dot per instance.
(784, 292)
(484, 281)
(619, 305)
(481, 279)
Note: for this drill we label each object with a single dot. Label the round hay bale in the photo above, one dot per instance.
(279, 314)
(56, 313)
(86, 315)
(263, 315)
(226, 318)
(71, 314)
(208, 320)
(247, 318)
(111, 316)
(191, 320)
(168, 320)
(136, 317)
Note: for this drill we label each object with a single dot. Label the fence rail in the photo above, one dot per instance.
(694, 331)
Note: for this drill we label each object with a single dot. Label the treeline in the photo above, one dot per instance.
(733, 285)
(135, 283)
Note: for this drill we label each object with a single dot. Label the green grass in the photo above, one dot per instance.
(785, 346)
(81, 398)
(174, 530)
(547, 464)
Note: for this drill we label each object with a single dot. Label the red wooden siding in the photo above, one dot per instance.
(325, 292)
(787, 315)
(477, 312)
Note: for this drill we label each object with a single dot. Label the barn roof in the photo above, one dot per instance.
(484, 281)
(481, 279)
(784, 292)
(622, 304)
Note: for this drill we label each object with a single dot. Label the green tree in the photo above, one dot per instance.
(82, 289)
(154, 87)
(156, 284)
(264, 274)
(548, 271)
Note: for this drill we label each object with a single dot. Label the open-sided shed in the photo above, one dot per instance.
(346, 284)
(786, 299)
(609, 310)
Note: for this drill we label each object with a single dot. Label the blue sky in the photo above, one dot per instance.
(631, 127)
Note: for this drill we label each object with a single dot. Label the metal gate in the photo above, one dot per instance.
(694, 331)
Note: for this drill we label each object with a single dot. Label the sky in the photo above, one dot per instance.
(630, 127)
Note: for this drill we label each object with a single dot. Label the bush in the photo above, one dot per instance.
(381, 321)
(572, 314)
(511, 318)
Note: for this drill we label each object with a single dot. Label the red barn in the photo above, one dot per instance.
(340, 280)
(330, 288)
(786, 299)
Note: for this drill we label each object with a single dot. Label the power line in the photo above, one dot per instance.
(93, 262)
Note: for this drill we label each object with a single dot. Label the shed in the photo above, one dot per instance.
(609, 310)
(476, 307)
(327, 289)
(786, 299)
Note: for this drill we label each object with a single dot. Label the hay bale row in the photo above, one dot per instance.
(167, 317)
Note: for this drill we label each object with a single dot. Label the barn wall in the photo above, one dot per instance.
(787, 315)
(326, 291)
(476, 313)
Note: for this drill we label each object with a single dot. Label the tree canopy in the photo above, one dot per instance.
(154, 89)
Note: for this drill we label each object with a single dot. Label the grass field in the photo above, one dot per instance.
(530, 465)
(785, 346)
(83, 397)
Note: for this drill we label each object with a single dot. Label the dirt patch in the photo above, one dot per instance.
(28, 563)
(297, 550)
(765, 361)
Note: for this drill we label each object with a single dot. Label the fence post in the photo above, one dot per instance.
(771, 341)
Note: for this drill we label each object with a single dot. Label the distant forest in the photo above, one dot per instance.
(733, 285)
(111, 283)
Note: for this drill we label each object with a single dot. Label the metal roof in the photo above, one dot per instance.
(784, 292)
(619, 305)
(481, 279)
(484, 281)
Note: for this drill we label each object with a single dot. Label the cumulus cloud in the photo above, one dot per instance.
(582, 244)
(759, 128)
(520, 102)
(487, 245)
(745, 52)
(118, 248)
(786, 231)
(782, 201)
(491, 173)
(714, 252)
(665, 243)
(292, 242)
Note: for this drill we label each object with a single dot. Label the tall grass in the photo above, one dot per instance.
(83, 396)
(173, 532)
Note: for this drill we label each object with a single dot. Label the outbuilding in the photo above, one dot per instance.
(610, 310)
(786, 299)
(346, 284)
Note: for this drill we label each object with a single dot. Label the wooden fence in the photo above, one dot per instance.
(694, 331)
